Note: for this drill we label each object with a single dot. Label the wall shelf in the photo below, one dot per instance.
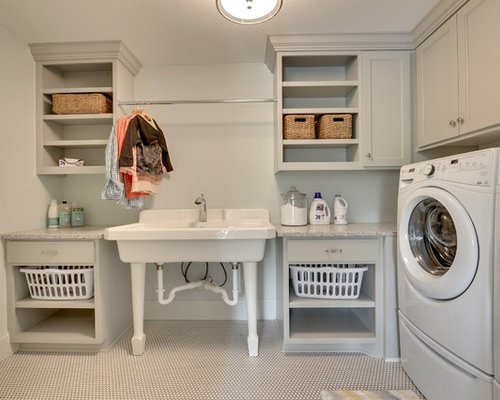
(76, 143)
(105, 67)
(320, 143)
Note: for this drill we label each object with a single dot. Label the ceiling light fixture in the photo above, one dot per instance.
(248, 11)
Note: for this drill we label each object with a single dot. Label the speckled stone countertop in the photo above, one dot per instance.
(375, 229)
(77, 233)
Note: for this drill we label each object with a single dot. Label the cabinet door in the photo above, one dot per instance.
(386, 125)
(479, 64)
(437, 86)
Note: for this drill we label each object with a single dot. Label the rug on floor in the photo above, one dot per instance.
(368, 395)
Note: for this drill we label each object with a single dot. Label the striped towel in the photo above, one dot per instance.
(114, 188)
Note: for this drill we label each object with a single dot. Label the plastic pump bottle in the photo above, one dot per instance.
(53, 215)
(319, 213)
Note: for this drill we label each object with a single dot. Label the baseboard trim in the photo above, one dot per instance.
(6, 348)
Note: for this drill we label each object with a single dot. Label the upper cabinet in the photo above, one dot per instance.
(457, 79)
(88, 77)
(386, 109)
(340, 110)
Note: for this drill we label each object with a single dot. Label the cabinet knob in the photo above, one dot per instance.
(368, 155)
(460, 120)
(453, 123)
(333, 251)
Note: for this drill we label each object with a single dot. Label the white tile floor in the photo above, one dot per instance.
(193, 360)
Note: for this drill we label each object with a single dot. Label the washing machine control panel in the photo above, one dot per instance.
(473, 169)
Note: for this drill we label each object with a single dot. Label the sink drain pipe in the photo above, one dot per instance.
(205, 284)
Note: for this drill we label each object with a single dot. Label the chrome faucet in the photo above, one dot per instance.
(200, 201)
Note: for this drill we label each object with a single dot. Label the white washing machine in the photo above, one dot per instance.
(446, 270)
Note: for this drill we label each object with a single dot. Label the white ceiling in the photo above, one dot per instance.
(192, 31)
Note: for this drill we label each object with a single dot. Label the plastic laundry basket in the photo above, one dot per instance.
(68, 282)
(327, 281)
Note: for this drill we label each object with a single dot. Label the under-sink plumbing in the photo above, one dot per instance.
(204, 283)
(200, 201)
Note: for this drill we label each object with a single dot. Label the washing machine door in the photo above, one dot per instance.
(438, 243)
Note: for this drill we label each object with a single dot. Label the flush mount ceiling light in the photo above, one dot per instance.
(248, 11)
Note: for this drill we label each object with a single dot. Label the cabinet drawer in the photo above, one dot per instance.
(50, 252)
(338, 250)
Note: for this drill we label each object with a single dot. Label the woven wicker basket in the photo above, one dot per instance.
(335, 126)
(298, 127)
(81, 103)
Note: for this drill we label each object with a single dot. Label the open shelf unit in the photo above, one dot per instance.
(334, 324)
(318, 84)
(66, 324)
(68, 321)
(104, 67)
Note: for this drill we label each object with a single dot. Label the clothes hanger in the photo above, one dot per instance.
(143, 113)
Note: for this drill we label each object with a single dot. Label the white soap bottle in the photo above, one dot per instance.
(319, 213)
(339, 210)
(53, 215)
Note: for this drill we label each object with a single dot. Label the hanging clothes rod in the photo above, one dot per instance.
(206, 101)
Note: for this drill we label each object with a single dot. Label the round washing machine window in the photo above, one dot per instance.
(432, 236)
(438, 243)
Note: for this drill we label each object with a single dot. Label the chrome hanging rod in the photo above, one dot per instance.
(205, 101)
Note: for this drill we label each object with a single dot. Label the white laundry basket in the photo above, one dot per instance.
(65, 282)
(327, 281)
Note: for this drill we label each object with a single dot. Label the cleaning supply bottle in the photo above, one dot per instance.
(319, 213)
(76, 215)
(53, 215)
(339, 210)
(64, 215)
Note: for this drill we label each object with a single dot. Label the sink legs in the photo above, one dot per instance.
(138, 275)
(250, 273)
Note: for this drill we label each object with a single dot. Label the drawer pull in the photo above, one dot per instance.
(333, 251)
(49, 252)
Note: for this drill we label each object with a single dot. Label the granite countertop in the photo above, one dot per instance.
(372, 229)
(97, 231)
(76, 233)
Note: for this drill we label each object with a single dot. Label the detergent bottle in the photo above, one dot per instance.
(339, 210)
(319, 213)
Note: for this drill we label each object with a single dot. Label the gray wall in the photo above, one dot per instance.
(24, 195)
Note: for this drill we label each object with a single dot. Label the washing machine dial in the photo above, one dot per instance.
(428, 169)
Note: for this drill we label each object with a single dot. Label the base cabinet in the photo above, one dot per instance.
(331, 323)
(58, 322)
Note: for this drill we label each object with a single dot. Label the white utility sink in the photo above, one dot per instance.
(163, 236)
(177, 235)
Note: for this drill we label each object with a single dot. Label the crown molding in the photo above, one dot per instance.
(333, 42)
(88, 50)
(365, 41)
(434, 19)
